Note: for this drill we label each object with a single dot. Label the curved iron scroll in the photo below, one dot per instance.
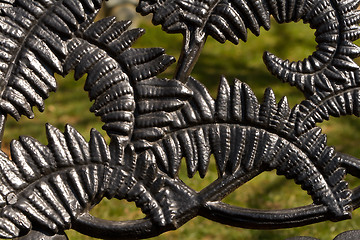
(154, 123)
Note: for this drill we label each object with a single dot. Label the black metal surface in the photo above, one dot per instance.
(154, 123)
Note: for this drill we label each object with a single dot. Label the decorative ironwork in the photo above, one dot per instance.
(153, 123)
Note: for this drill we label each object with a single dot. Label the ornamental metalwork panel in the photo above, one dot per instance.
(155, 123)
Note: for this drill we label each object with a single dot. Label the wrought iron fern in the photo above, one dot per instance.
(118, 74)
(248, 138)
(321, 106)
(325, 70)
(103, 51)
(33, 47)
(37, 186)
(328, 78)
(49, 187)
(154, 123)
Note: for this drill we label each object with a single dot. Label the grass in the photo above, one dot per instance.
(293, 41)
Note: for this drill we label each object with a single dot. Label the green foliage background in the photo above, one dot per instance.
(294, 41)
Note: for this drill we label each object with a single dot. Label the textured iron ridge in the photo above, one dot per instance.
(155, 123)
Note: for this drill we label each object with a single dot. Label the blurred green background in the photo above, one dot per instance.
(294, 41)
